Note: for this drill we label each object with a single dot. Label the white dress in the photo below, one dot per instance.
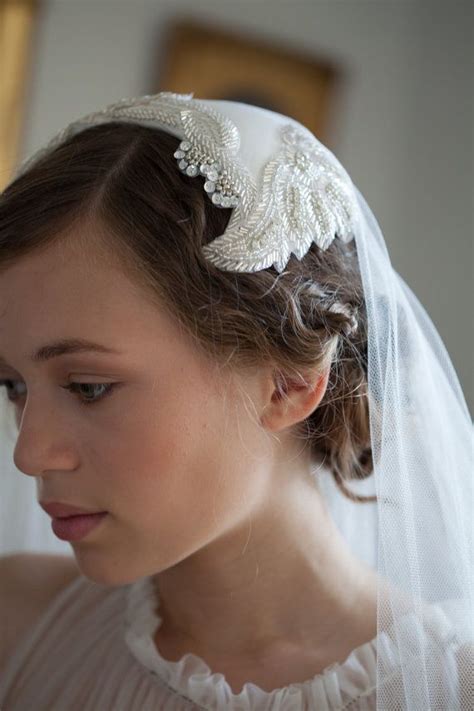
(93, 650)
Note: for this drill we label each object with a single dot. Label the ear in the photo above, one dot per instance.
(290, 401)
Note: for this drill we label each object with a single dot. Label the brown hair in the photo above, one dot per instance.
(301, 320)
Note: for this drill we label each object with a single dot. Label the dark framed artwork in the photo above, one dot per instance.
(214, 63)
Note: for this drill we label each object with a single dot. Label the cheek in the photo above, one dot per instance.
(181, 480)
(175, 478)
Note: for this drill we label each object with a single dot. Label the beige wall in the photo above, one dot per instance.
(404, 130)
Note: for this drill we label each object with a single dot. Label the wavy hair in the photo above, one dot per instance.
(308, 318)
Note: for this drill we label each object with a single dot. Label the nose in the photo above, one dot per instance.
(43, 444)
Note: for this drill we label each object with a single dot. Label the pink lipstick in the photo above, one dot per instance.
(71, 523)
(73, 528)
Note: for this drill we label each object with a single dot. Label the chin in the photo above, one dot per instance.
(103, 571)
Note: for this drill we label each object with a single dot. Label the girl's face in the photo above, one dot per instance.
(172, 451)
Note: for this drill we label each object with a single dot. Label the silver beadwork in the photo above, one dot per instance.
(302, 195)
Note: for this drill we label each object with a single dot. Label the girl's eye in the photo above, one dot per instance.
(88, 392)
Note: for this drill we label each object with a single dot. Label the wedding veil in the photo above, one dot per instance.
(421, 530)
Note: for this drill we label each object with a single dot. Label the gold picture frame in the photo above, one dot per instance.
(17, 20)
(214, 63)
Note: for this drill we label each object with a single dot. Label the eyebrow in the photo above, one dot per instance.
(65, 347)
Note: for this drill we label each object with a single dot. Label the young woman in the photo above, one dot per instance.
(206, 350)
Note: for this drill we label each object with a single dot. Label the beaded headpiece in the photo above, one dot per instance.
(286, 190)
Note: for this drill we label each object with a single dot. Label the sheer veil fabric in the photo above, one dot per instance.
(418, 535)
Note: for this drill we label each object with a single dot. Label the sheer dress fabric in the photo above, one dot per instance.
(93, 650)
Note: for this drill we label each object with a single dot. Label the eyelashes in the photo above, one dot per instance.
(9, 384)
(75, 388)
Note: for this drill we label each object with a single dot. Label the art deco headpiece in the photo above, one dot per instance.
(286, 189)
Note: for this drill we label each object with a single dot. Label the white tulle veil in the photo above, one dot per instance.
(419, 533)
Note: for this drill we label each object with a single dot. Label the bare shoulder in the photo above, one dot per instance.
(28, 583)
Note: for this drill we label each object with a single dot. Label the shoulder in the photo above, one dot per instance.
(28, 583)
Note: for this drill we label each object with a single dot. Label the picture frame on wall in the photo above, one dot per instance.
(215, 63)
(17, 22)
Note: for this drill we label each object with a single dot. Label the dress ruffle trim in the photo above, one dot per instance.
(330, 689)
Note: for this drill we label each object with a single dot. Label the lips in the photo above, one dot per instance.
(74, 528)
(56, 509)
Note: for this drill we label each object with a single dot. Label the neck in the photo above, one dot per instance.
(287, 574)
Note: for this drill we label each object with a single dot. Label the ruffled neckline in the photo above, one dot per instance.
(328, 690)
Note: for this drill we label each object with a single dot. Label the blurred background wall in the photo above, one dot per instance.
(401, 123)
